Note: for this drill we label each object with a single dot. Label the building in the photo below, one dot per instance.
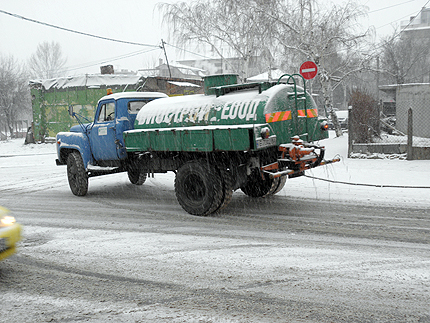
(419, 24)
(270, 75)
(234, 65)
(175, 70)
(415, 96)
(52, 97)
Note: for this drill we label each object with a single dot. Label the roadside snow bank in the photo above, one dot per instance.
(16, 147)
(364, 180)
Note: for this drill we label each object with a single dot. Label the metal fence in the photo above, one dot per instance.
(405, 134)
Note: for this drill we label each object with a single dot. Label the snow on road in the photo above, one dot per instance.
(389, 181)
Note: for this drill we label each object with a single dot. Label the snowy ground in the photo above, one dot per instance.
(372, 181)
(350, 274)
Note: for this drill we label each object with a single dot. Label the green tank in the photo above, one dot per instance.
(224, 117)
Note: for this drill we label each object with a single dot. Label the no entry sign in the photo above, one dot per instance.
(308, 70)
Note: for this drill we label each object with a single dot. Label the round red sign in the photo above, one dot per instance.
(308, 70)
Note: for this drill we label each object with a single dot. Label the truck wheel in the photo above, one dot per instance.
(227, 182)
(255, 186)
(279, 185)
(199, 187)
(76, 174)
(136, 176)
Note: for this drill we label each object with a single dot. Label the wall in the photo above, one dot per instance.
(417, 97)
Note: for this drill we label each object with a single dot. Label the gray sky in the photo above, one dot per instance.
(129, 20)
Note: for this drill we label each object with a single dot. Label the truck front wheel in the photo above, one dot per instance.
(76, 174)
(199, 187)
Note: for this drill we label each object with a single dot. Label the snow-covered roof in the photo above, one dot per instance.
(191, 68)
(275, 75)
(183, 84)
(88, 80)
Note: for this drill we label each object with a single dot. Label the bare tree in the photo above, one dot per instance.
(325, 35)
(365, 116)
(14, 91)
(235, 28)
(48, 61)
(298, 30)
(405, 59)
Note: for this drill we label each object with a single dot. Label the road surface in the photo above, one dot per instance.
(125, 253)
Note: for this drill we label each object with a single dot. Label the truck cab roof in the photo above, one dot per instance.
(134, 95)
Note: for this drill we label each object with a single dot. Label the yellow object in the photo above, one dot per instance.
(10, 234)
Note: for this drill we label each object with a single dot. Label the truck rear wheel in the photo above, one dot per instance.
(227, 182)
(136, 177)
(76, 174)
(199, 187)
(255, 186)
(281, 183)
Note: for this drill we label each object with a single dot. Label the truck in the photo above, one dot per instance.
(250, 136)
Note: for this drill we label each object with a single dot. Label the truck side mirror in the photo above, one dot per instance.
(71, 110)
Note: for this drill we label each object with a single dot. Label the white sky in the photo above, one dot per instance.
(129, 20)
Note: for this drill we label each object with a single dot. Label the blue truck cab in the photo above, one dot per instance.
(97, 148)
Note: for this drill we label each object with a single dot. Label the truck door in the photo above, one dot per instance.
(103, 133)
(127, 110)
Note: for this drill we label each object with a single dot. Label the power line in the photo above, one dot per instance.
(400, 32)
(410, 21)
(409, 15)
(75, 31)
(394, 5)
(107, 60)
(187, 51)
(98, 37)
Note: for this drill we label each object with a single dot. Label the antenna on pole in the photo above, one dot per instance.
(165, 55)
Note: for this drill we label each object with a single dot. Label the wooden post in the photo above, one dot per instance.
(409, 155)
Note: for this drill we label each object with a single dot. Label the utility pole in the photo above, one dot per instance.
(165, 55)
(377, 77)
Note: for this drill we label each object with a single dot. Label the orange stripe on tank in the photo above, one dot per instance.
(278, 116)
(269, 117)
(287, 116)
(281, 116)
(312, 113)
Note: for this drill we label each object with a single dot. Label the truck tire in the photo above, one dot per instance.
(255, 186)
(76, 174)
(136, 177)
(278, 187)
(199, 187)
(227, 182)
